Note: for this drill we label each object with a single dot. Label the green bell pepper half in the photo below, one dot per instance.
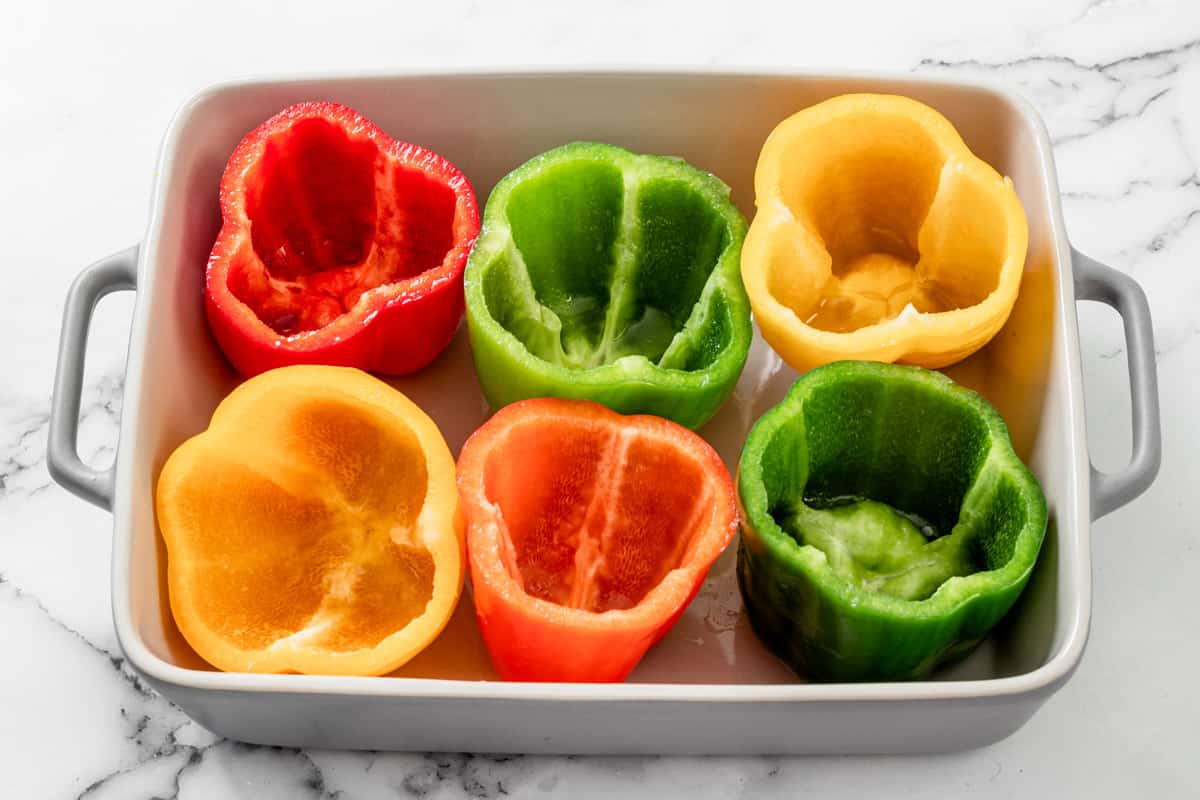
(888, 524)
(610, 276)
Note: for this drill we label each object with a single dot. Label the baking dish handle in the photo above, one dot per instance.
(1095, 281)
(116, 273)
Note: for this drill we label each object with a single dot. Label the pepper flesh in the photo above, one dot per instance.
(339, 245)
(879, 235)
(313, 527)
(604, 275)
(888, 524)
(588, 533)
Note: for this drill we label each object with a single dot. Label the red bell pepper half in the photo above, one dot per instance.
(588, 533)
(339, 245)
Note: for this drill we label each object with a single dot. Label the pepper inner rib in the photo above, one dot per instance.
(331, 218)
(596, 518)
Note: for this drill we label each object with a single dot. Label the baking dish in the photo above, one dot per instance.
(709, 686)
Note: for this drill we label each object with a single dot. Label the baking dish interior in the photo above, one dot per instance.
(488, 124)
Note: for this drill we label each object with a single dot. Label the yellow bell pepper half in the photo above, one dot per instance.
(879, 235)
(313, 527)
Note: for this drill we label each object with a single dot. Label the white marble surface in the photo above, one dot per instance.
(86, 93)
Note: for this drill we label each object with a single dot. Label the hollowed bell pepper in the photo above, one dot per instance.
(888, 524)
(878, 235)
(339, 245)
(313, 527)
(588, 533)
(609, 276)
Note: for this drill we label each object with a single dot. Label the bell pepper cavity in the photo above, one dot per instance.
(605, 275)
(877, 547)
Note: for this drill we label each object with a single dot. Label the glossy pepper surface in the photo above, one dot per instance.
(879, 235)
(313, 527)
(588, 533)
(605, 275)
(339, 245)
(888, 524)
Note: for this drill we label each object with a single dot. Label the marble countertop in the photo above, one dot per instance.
(88, 92)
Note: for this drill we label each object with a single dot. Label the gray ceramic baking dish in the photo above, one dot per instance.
(709, 686)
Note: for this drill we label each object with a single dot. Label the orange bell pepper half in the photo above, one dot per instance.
(588, 533)
(313, 527)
